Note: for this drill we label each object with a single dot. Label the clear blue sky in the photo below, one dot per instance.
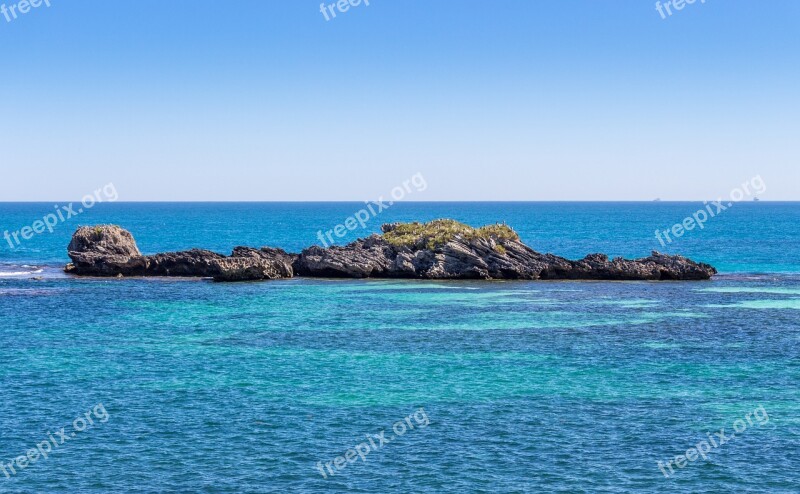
(506, 100)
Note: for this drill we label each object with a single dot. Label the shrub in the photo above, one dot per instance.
(438, 232)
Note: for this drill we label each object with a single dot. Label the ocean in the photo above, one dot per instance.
(311, 385)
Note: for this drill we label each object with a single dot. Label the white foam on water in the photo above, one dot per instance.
(21, 273)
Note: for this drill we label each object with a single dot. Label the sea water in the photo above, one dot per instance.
(527, 386)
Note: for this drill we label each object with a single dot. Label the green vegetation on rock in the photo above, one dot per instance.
(438, 232)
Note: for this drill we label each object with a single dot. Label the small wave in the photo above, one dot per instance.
(21, 273)
(12, 270)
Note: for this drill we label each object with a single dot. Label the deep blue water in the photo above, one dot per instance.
(524, 386)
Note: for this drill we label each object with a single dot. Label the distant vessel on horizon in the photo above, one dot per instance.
(756, 199)
(657, 199)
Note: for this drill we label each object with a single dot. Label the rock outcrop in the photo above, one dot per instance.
(492, 255)
(104, 251)
(109, 250)
(442, 249)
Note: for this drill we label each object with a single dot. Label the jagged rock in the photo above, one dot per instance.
(443, 249)
(361, 259)
(480, 259)
(109, 250)
(246, 264)
(105, 250)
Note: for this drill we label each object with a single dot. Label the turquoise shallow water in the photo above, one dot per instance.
(528, 386)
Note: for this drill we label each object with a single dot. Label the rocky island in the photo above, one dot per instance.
(440, 249)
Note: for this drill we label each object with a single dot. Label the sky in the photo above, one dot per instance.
(260, 100)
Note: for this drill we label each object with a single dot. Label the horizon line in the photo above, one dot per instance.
(611, 201)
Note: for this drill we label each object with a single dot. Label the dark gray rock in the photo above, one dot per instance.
(246, 264)
(480, 258)
(105, 250)
(109, 250)
(112, 251)
(364, 258)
